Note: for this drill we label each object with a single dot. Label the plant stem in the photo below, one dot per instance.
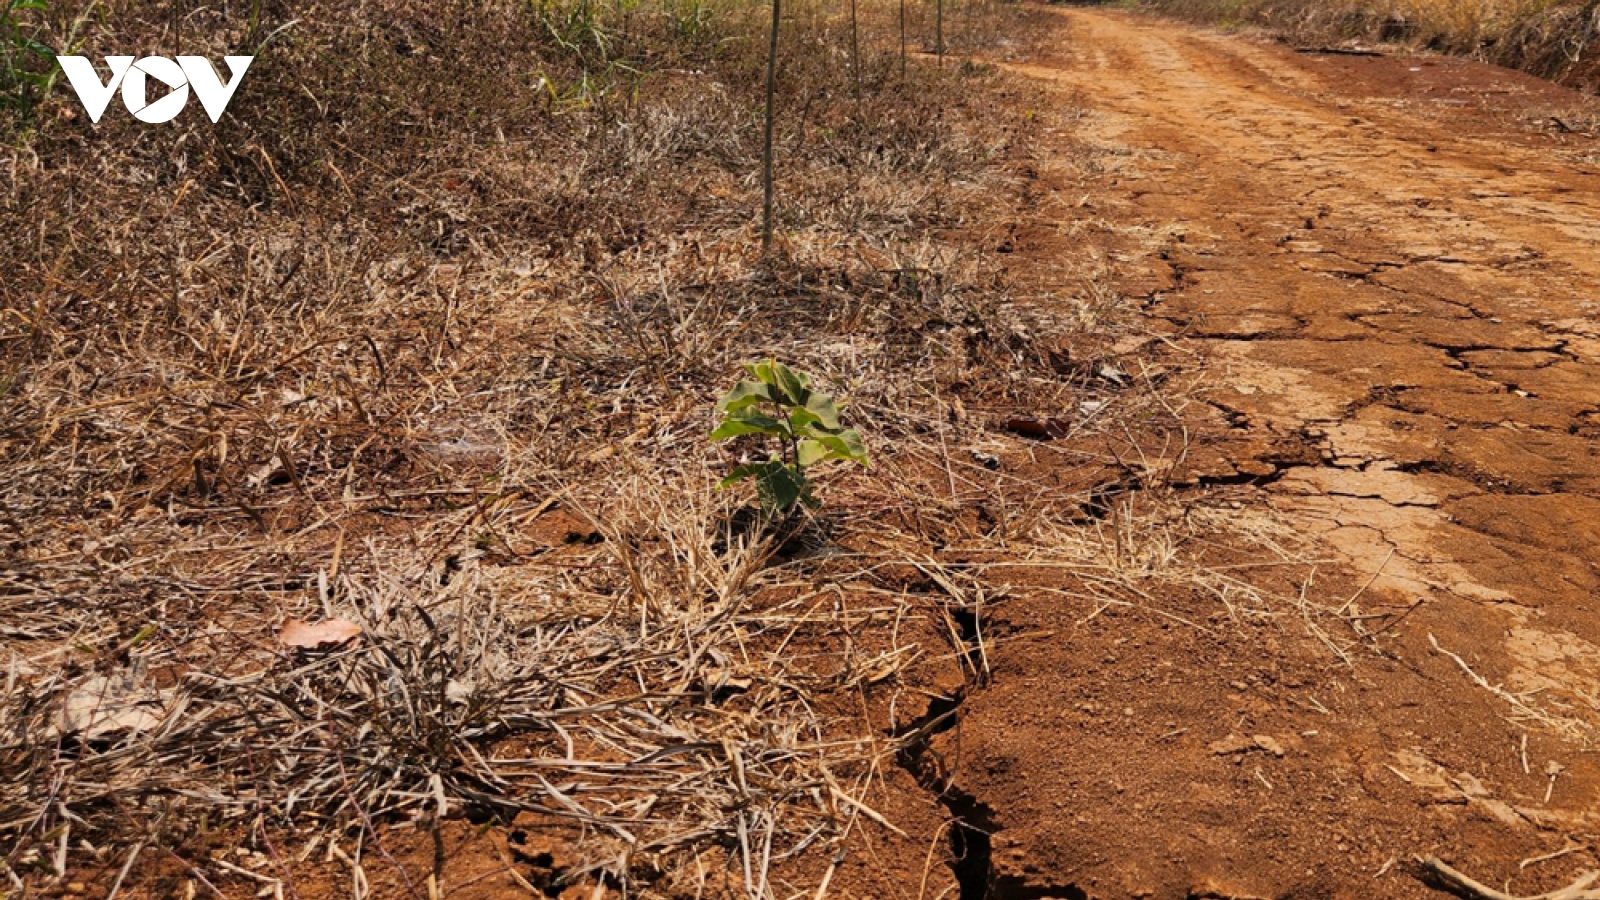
(902, 40)
(855, 49)
(792, 447)
(766, 148)
(938, 40)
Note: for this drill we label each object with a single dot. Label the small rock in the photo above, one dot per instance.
(1269, 744)
(1471, 785)
(1233, 743)
(1041, 429)
(116, 704)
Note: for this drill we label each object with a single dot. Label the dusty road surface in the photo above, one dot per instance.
(1386, 272)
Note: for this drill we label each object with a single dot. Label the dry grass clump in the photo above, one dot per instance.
(1549, 38)
(619, 686)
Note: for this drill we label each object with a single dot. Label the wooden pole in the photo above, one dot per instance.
(902, 40)
(855, 49)
(766, 149)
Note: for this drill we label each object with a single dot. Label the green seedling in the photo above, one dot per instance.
(778, 403)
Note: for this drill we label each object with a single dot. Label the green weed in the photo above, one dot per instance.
(28, 68)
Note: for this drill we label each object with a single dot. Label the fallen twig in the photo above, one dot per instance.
(1458, 883)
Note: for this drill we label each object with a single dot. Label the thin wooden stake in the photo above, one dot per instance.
(902, 40)
(855, 49)
(766, 150)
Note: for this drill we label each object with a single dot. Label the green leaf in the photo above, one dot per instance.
(853, 450)
(845, 444)
(778, 486)
(736, 424)
(837, 448)
(744, 395)
(822, 406)
(815, 429)
(793, 386)
(810, 452)
(800, 418)
(37, 48)
(732, 429)
(739, 474)
(782, 487)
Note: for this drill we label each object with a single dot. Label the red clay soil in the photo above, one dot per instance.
(1388, 268)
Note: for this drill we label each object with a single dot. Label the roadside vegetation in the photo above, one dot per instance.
(1556, 39)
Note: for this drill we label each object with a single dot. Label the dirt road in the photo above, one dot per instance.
(1387, 270)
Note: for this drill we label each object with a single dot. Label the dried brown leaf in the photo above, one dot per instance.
(327, 633)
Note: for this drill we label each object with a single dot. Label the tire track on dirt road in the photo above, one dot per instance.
(1393, 282)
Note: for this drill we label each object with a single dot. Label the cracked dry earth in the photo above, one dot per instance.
(1387, 268)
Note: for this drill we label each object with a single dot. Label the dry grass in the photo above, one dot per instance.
(436, 353)
(1550, 38)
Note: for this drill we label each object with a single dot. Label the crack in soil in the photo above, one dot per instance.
(972, 823)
